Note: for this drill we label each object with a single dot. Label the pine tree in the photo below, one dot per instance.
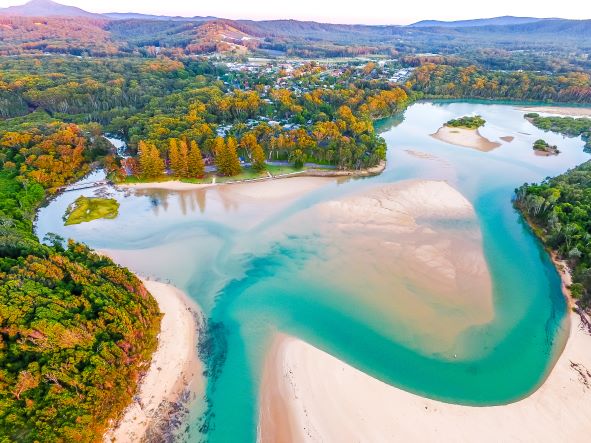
(183, 159)
(233, 167)
(195, 163)
(144, 159)
(156, 162)
(174, 157)
(221, 157)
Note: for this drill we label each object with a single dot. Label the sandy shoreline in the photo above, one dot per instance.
(559, 110)
(175, 185)
(308, 395)
(468, 138)
(175, 366)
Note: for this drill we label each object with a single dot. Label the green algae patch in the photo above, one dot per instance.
(86, 209)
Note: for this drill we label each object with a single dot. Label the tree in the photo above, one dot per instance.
(298, 158)
(258, 158)
(195, 163)
(234, 167)
(183, 167)
(227, 160)
(151, 164)
(174, 157)
(254, 151)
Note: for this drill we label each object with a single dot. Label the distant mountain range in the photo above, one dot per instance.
(495, 21)
(67, 29)
(137, 16)
(49, 8)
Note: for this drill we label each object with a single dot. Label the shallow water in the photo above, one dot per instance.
(257, 267)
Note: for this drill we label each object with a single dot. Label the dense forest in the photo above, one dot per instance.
(76, 330)
(309, 115)
(560, 212)
(445, 81)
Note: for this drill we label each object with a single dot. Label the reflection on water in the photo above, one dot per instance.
(399, 305)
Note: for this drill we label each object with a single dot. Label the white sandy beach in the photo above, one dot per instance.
(172, 185)
(559, 110)
(310, 396)
(468, 138)
(174, 367)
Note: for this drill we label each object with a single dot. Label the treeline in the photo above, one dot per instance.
(76, 330)
(560, 210)
(443, 81)
(569, 126)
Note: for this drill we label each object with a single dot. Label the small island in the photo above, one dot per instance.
(464, 132)
(569, 126)
(542, 147)
(86, 209)
(467, 122)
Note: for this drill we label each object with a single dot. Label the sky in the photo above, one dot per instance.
(340, 11)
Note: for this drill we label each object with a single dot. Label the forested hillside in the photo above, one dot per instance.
(505, 40)
(76, 330)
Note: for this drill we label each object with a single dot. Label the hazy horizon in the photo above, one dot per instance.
(374, 12)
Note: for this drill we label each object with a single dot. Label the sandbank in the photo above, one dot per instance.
(412, 251)
(468, 138)
(174, 368)
(559, 110)
(308, 395)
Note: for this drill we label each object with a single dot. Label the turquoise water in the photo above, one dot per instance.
(255, 272)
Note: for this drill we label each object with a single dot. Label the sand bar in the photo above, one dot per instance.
(407, 249)
(174, 367)
(559, 110)
(308, 395)
(468, 138)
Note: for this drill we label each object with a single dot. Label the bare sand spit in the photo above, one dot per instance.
(309, 396)
(508, 138)
(559, 110)
(174, 367)
(468, 138)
